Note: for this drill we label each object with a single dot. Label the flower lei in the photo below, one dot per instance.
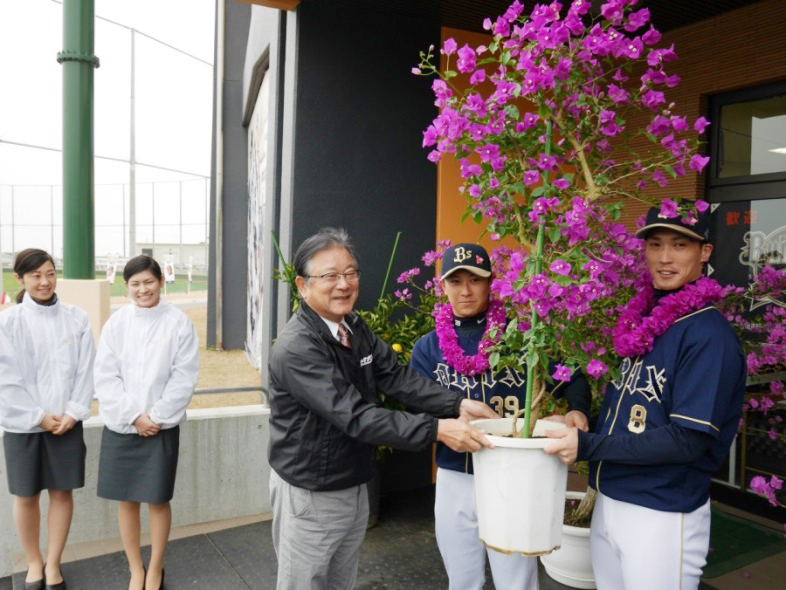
(448, 339)
(642, 320)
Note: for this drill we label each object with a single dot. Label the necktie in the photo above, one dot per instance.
(343, 336)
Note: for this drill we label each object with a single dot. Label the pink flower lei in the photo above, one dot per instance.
(448, 339)
(642, 320)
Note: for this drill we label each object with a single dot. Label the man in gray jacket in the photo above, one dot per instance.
(326, 371)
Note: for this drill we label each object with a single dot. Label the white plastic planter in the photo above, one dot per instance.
(519, 490)
(571, 565)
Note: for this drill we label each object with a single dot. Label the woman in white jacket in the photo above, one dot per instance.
(46, 387)
(145, 373)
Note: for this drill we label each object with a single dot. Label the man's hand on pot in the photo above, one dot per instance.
(565, 444)
(461, 436)
(472, 410)
(577, 419)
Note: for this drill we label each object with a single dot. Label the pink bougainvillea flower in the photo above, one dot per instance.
(596, 368)
(660, 178)
(531, 177)
(617, 94)
(637, 19)
(651, 37)
(698, 162)
(560, 267)
(700, 125)
(561, 373)
(450, 46)
(466, 59)
(478, 77)
(652, 99)
(668, 209)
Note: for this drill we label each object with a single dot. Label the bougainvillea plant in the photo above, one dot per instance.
(758, 315)
(541, 122)
(539, 127)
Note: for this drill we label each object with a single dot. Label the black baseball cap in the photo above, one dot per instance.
(699, 230)
(471, 257)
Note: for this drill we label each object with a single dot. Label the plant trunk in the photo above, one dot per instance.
(584, 509)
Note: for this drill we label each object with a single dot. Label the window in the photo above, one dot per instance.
(748, 139)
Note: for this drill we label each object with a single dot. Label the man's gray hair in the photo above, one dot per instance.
(326, 238)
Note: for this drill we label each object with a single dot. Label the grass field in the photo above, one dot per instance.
(118, 289)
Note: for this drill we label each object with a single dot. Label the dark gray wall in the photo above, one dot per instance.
(345, 144)
(358, 128)
(235, 191)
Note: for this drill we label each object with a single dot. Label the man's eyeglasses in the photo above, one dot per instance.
(351, 276)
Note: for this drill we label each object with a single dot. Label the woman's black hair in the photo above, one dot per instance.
(30, 260)
(140, 264)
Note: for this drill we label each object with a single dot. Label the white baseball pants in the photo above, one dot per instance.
(459, 544)
(637, 548)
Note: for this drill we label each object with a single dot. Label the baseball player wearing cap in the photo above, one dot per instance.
(666, 425)
(466, 277)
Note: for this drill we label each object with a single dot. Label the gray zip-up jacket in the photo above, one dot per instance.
(325, 414)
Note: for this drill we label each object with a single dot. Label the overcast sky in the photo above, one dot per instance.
(174, 95)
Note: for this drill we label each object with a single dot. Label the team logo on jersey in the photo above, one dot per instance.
(450, 378)
(366, 360)
(636, 378)
(462, 254)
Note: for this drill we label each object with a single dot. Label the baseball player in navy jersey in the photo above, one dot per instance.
(466, 277)
(665, 427)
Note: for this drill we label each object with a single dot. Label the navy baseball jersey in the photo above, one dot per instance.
(693, 380)
(505, 391)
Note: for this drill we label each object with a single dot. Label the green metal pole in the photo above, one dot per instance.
(78, 61)
(531, 362)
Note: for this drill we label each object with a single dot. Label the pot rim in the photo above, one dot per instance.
(489, 425)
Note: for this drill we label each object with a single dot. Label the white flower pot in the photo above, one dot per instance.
(520, 492)
(571, 565)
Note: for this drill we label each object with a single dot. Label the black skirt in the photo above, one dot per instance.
(38, 461)
(135, 468)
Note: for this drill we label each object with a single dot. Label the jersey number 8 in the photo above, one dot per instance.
(638, 419)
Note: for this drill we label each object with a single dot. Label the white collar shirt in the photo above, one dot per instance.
(333, 326)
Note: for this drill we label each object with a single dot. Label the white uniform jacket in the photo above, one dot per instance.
(147, 362)
(46, 364)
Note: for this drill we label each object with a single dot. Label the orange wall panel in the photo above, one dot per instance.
(739, 49)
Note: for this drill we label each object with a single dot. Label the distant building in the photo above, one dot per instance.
(181, 253)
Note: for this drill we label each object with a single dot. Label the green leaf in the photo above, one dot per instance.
(539, 191)
(466, 214)
(505, 57)
(670, 170)
(450, 74)
(555, 234)
(518, 188)
(494, 359)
